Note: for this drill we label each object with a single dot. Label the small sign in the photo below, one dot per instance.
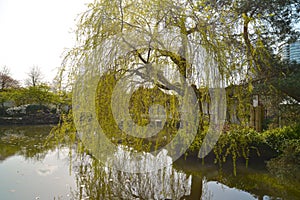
(255, 100)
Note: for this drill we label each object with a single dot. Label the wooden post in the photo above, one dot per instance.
(252, 117)
(256, 114)
(258, 118)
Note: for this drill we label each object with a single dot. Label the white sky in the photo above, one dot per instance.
(36, 32)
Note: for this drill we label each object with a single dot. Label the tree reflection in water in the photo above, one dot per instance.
(95, 181)
(28, 141)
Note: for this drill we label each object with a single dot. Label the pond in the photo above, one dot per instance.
(32, 167)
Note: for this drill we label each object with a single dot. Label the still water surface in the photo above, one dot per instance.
(31, 168)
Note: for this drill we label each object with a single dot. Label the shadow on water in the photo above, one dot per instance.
(31, 168)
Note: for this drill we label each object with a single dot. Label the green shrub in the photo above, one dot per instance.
(287, 164)
(277, 138)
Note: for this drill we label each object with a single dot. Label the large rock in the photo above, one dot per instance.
(29, 114)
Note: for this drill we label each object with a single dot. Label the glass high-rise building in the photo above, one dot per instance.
(291, 52)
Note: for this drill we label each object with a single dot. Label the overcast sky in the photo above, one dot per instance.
(36, 32)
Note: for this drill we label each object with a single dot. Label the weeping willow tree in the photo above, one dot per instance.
(239, 35)
(167, 45)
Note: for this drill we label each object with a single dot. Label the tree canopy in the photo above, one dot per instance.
(240, 34)
(238, 41)
(35, 77)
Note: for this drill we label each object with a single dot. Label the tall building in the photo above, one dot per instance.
(291, 52)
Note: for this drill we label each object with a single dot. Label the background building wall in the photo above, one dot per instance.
(291, 52)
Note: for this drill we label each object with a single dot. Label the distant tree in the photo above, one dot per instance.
(6, 81)
(35, 77)
(39, 94)
(7, 85)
